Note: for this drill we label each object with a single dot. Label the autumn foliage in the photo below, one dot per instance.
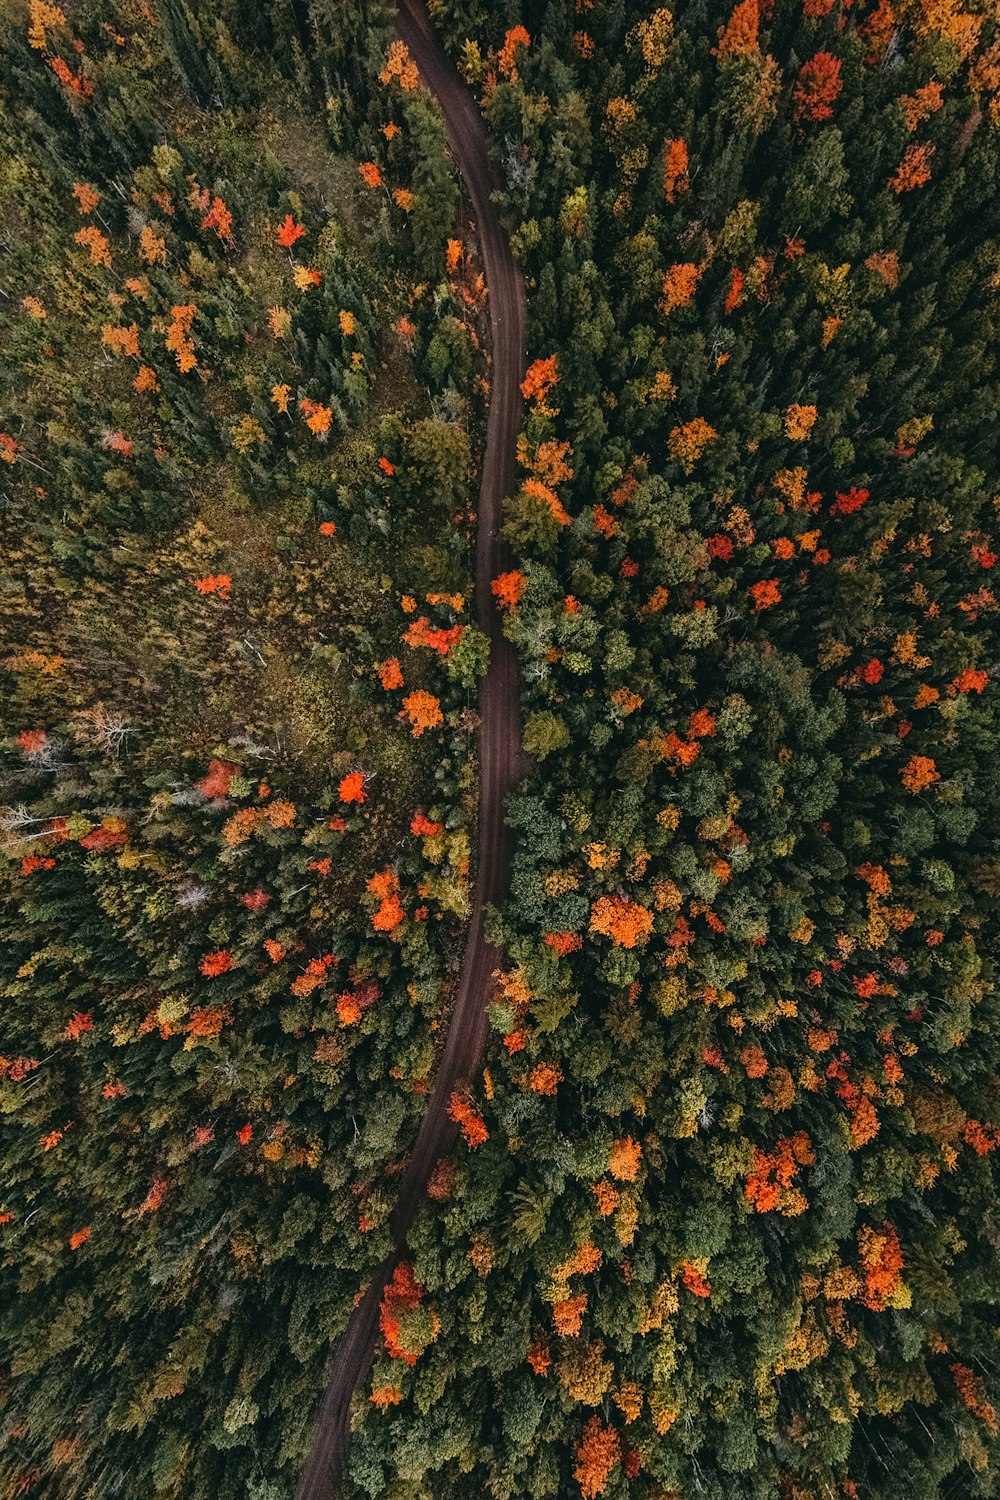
(714, 1212)
(817, 87)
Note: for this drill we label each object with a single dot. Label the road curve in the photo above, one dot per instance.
(500, 762)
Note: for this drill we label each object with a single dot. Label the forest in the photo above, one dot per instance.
(720, 1221)
(239, 397)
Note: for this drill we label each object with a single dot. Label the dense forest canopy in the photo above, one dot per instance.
(243, 379)
(722, 1219)
(726, 1224)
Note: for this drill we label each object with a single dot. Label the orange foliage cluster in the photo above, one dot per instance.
(624, 921)
(515, 37)
(117, 442)
(313, 975)
(849, 502)
(817, 87)
(423, 633)
(882, 1264)
(734, 296)
(878, 31)
(208, 1020)
(604, 522)
(385, 888)
(352, 787)
(146, 380)
(539, 379)
(539, 1356)
(688, 441)
(919, 773)
(77, 84)
(599, 1451)
(220, 219)
(217, 963)
(402, 1294)
(754, 1061)
(508, 588)
(606, 1196)
(178, 339)
(765, 594)
(875, 878)
(562, 943)
(154, 1197)
(104, 838)
(769, 1185)
(626, 701)
(695, 1280)
(624, 1159)
(675, 751)
(864, 1121)
(151, 247)
(318, 417)
(679, 286)
(122, 341)
(87, 197)
(390, 674)
(469, 1121)
(400, 65)
(548, 497)
(549, 462)
(982, 1138)
(885, 263)
(95, 243)
(969, 680)
(545, 1078)
(218, 778)
(352, 1005)
(740, 35)
(675, 169)
(914, 170)
(214, 583)
(423, 711)
(18, 1068)
(288, 232)
(920, 105)
(799, 421)
(970, 1389)
(246, 820)
(581, 1263)
(567, 1315)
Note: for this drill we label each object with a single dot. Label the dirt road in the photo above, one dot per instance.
(499, 744)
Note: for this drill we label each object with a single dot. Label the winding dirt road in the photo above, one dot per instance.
(500, 759)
